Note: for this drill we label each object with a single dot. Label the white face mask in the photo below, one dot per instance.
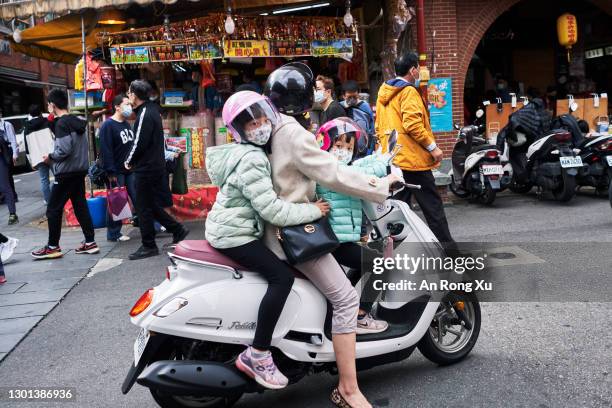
(344, 156)
(259, 136)
(319, 96)
(126, 111)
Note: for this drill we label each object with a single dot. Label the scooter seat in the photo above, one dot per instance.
(201, 250)
(484, 147)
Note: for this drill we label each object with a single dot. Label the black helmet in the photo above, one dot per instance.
(291, 88)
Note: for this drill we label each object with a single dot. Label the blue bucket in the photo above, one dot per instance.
(97, 210)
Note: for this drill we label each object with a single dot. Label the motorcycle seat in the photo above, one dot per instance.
(484, 147)
(201, 250)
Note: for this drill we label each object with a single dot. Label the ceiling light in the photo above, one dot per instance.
(311, 6)
(348, 17)
(112, 17)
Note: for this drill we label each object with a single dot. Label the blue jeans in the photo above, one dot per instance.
(45, 186)
(113, 228)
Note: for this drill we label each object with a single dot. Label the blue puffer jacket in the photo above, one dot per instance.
(345, 214)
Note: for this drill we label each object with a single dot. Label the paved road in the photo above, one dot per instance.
(528, 355)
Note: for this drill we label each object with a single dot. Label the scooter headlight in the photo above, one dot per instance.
(171, 307)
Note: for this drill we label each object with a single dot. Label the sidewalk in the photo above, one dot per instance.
(34, 288)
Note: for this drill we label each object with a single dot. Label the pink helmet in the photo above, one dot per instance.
(245, 106)
(331, 130)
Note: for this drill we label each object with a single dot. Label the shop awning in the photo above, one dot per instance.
(60, 40)
(27, 8)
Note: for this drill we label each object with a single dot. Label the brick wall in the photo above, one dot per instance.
(458, 25)
(44, 68)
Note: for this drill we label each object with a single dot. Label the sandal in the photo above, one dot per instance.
(338, 400)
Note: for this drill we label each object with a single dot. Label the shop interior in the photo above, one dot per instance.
(520, 53)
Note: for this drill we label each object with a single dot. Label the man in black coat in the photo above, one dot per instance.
(147, 161)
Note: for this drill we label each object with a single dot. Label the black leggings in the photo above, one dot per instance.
(257, 257)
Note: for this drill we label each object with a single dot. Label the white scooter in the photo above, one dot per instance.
(196, 322)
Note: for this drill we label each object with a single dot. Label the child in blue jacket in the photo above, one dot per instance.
(340, 137)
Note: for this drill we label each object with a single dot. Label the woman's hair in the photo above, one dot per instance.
(348, 137)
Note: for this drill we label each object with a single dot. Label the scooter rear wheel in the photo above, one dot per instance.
(488, 196)
(567, 190)
(447, 342)
(457, 190)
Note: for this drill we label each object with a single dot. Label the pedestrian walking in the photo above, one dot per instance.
(70, 160)
(400, 107)
(36, 123)
(147, 161)
(116, 141)
(7, 136)
(8, 154)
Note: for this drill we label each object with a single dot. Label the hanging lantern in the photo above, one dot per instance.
(567, 31)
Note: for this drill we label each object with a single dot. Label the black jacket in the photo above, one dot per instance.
(147, 154)
(33, 125)
(71, 152)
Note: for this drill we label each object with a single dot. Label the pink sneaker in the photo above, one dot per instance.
(263, 370)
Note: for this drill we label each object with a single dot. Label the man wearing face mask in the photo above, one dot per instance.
(361, 113)
(147, 160)
(116, 141)
(324, 96)
(400, 107)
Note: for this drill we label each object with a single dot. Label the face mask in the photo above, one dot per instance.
(319, 96)
(352, 101)
(153, 98)
(126, 111)
(501, 87)
(344, 156)
(259, 136)
(50, 109)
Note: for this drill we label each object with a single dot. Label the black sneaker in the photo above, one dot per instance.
(13, 219)
(144, 252)
(180, 235)
(86, 248)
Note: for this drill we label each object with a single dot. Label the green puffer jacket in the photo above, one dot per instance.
(246, 197)
(345, 214)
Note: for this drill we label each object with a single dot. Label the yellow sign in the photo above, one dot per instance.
(246, 48)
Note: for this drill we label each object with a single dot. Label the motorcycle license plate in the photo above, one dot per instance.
(140, 344)
(609, 159)
(492, 169)
(567, 162)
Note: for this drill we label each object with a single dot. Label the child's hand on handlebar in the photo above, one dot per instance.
(323, 207)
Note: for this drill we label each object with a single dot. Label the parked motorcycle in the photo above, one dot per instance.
(477, 171)
(196, 322)
(551, 163)
(596, 153)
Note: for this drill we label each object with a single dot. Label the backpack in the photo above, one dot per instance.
(366, 122)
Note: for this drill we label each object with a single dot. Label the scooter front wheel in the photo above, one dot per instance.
(458, 191)
(449, 338)
(184, 401)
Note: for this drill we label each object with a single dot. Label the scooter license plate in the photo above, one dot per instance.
(568, 162)
(140, 344)
(492, 169)
(609, 159)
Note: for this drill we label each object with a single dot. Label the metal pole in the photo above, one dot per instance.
(84, 48)
(422, 47)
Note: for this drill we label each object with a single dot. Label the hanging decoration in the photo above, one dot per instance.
(208, 37)
(567, 32)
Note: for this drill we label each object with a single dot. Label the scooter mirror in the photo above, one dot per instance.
(479, 113)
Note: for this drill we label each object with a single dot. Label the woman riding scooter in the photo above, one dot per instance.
(235, 226)
(298, 164)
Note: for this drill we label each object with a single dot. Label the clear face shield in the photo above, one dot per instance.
(256, 123)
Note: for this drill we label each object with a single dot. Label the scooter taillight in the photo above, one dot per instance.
(563, 136)
(142, 303)
(168, 272)
(491, 154)
(494, 177)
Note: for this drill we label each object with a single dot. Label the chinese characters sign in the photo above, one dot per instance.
(247, 48)
(440, 93)
(130, 55)
(163, 53)
(204, 51)
(332, 47)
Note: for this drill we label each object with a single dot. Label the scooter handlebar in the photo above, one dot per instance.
(398, 184)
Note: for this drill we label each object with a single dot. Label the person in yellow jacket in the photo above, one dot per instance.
(400, 107)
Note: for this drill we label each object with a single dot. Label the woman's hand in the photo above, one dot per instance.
(395, 182)
(323, 207)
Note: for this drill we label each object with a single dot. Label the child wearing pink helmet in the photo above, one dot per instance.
(235, 225)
